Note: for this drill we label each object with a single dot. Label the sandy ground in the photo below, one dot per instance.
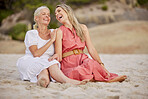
(12, 46)
(124, 37)
(135, 87)
(127, 37)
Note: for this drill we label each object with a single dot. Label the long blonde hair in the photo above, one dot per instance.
(73, 20)
(36, 13)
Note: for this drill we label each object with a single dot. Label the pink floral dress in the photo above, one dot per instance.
(80, 67)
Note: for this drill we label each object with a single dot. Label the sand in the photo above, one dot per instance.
(135, 66)
(126, 37)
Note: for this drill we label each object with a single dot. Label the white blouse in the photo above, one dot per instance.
(33, 38)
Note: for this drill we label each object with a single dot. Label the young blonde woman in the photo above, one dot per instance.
(71, 39)
(39, 63)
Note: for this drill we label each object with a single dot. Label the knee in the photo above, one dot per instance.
(45, 71)
(53, 67)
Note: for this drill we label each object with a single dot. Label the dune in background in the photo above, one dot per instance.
(127, 37)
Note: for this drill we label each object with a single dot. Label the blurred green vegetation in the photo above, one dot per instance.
(9, 7)
(79, 2)
(104, 7)
(4, 14)
(102, 1)
(142, 2)
(14, 6)
(18, 32)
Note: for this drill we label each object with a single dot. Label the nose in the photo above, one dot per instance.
(47, 16)
(56, 14)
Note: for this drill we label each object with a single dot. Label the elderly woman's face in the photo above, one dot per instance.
(43, 17)
(61, 15)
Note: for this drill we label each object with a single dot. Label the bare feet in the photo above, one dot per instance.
(93, 80)
(118, 79)
(76, 82)
(43, 82)
(85, 81)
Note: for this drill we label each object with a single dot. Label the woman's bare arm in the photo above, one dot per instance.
(91, 49)
(58, 44)
(38, 52)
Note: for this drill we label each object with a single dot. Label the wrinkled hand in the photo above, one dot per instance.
(53, 35)
(55, 56)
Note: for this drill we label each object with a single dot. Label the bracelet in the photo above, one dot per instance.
(101, 63)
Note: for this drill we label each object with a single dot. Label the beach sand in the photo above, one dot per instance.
(135, 66)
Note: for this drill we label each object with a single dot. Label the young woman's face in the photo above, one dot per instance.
(61, 15)
(43, 17)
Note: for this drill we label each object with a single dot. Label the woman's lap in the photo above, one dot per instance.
(30, 67)
(88, 69)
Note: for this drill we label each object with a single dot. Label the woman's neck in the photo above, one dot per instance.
(42, 29)
(68, 25)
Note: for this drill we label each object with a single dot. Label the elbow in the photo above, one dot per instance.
(35, 54)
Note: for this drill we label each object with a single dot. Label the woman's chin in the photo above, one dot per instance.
(45, 24)
(61, 21)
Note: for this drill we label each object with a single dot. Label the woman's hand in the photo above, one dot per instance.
(55, 56)
(53, 35)
(108, 74)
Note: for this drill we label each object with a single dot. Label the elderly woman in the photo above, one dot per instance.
(72, 37)
(39, 63)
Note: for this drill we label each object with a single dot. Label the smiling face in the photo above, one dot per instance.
(61, 15)
(43, 17)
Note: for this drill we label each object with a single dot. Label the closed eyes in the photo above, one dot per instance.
(57, 11)
(45, 14)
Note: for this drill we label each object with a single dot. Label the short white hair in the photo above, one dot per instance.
(38, 10)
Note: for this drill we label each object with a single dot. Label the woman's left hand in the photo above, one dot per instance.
(108, 74)
(55, 56)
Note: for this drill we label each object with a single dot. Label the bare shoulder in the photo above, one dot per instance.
(85, 29)
(59, 30)
(59, 33)
(83, 26)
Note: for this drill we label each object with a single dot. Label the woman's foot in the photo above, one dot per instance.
(93, 80)
(43, 82)
(118, 79)
(76, 82)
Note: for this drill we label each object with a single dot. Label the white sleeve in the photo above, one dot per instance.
(30, 38)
